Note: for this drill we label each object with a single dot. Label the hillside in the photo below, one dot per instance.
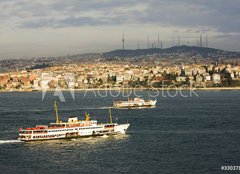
(177, 50)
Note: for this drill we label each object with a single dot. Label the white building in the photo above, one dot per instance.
(181, 79)
(207, 78)
(36, 83)
(45, 79)
(199, 78)
(119, 78)
(70, 79)
(216, 78)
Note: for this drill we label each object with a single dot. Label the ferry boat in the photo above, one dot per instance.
(135, 102)
(73, 128)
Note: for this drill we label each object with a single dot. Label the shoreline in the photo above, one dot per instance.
(131, 89)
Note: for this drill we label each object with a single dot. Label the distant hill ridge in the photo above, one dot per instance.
(184, 49)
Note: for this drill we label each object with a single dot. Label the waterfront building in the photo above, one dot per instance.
(216, 78)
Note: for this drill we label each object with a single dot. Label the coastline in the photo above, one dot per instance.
(124, 89)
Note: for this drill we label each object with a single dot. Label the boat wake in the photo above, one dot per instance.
(9, 141)
(49, 110)
(94, 108)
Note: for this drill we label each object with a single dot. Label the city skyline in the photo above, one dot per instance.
(55, 28)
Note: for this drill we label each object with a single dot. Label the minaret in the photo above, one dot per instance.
(161, 45)
(138, 46)
(123, 40)
(158, 42)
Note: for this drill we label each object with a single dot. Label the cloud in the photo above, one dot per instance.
(222, 15)
(25, 20)
(67, 22)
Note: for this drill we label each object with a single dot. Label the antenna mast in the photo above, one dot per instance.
(56, 112)
(148, 41)
(178, 40)
(201, 40)
(123, 41)
(206, 40)
(110, 115)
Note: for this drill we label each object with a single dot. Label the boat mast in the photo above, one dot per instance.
(56, 112)
(110, 115)
(87, 116)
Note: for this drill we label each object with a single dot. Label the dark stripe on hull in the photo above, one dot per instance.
(145, 106)
(74, 137)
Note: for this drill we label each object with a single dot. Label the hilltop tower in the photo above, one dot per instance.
(206, 40)
(173, 40)
(201, 43)
(178, 41)
(123, 40)
(148, 41)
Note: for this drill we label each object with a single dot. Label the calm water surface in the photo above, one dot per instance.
(181, 135)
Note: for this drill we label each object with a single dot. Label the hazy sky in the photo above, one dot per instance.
(59, 27)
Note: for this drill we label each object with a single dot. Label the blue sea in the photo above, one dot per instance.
(193, 134)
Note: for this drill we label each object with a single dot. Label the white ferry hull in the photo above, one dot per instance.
(131, 104)
(76, 132)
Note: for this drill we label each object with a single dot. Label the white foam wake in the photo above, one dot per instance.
(96, 108)
(9, 141)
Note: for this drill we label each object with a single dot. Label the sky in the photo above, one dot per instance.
(35, 28)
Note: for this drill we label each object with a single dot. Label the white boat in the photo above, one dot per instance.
(136, 102)
(73, 128)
